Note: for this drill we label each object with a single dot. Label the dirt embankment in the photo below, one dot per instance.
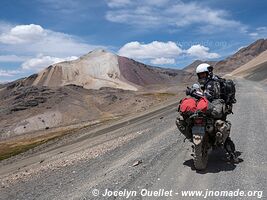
(33, 115)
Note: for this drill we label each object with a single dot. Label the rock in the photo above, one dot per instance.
(114, 98)
(111, 97)
(18, 108)
(4, 111)
(31, 103)
(138, 162)
(40, 99)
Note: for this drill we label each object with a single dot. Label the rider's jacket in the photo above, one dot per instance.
(211, 90)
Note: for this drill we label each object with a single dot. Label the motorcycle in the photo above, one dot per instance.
(206, 133)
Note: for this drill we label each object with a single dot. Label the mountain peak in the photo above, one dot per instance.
(192, 67)
(96, 53)
(100, 68)
(241, 57)
(99, 50)
(256, 47)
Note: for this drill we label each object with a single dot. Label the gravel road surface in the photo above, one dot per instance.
(148, 159)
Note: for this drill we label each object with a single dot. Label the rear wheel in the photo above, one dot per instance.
(201, 155)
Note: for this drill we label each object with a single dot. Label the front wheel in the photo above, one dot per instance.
(201, 155)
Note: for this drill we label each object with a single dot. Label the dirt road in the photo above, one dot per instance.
(144, 154)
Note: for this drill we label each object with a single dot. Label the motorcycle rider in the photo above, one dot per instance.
(210, 88)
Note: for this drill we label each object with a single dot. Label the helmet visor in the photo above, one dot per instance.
(202, 75)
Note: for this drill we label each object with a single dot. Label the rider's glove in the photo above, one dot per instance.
(189, 91)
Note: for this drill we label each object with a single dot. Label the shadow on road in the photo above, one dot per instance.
(217, 163)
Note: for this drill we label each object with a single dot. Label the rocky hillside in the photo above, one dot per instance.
(255, 70)
(241, 57)
(192, 67)
(28, 109)
(100, 68)
(234, 61)
(98, 86)
(144, 75)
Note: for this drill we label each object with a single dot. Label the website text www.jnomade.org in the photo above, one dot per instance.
(184, 193)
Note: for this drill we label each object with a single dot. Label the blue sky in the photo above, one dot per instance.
(167, 33)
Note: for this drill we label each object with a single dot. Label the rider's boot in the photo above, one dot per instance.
(230, 148)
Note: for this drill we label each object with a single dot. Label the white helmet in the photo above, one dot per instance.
(203, 67)
(200, 69)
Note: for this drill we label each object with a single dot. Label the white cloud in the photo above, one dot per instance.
(161, 53)
(141, 3)
(143, 17)
(33, 39)
(201, 52)
(9, 73)
(41, 62)
(21, 43)
(151, 50)
(253, 34)
(260, 32)
(12, 58)
(23, 34)
(178, 14)
(192, 13)
(118, 3)
(4, 26)
(5, 81)
(163, 61)
(156, 2)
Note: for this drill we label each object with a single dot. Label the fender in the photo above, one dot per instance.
(197, 139)
(198, 134)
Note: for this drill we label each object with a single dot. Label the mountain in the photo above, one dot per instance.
(29, 109)
(92, 71)
(234, 61)
(192, 67)
(101, 86)
(255, 70)
(100, 68)
(96, 87)
(241, 57)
